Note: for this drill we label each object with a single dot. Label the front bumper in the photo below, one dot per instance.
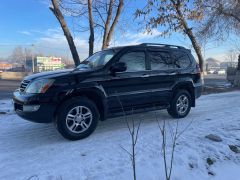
(29, 107)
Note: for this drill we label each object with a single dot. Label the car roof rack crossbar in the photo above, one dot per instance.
(162, 45)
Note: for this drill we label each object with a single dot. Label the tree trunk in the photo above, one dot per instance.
(107, 24)
(91, 27)
(190, 34)
(115, 21)
(57, 12)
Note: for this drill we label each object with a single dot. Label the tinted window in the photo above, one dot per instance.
(160, 61)
(135, 61)
(181, 59)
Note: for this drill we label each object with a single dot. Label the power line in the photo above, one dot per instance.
(36, 45)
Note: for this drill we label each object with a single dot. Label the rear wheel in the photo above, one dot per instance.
(180, 105)
(77, 118)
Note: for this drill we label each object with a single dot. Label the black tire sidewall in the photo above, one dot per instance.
(173, 106)
(63, 111)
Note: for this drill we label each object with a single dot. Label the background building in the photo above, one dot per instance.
(5, 66)
(48, 63)
(45, 63)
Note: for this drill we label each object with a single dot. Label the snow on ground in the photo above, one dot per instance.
(37, 152)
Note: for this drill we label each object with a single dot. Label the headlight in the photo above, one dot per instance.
(39, 86)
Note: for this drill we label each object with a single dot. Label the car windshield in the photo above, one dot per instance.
(97, 60)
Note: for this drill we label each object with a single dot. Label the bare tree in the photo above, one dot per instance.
(174, 136)
(169, 144)
(81, 9)
(91, 28)
(109, 26)
(228, 8)
(18, 56)
(221, 18)
(231, 56)
(103, 17)
(58, 14)
(173, 15)
(134, 132)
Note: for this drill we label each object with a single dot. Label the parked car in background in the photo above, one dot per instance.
(222, 72)
(110, 83)
(211, 71)
(215, 72)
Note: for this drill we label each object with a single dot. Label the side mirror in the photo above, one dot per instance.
(118, 67)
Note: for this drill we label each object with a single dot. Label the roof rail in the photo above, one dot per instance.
(162, 45)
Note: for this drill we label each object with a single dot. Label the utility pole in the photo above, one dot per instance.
(33, 64)
(25, 58)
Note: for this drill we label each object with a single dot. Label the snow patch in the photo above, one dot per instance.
(37, 151)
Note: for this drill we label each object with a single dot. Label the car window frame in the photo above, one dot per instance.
(135, 50)
(103, 67)
(159, 50)
(170, 51)
(189, 58)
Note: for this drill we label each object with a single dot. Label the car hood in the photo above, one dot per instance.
(49, 74)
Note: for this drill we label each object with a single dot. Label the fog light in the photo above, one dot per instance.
(30, 108)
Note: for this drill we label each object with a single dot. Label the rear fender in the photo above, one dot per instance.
(187, 85)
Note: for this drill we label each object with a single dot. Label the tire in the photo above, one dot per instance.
(77, 118)
(180, 107)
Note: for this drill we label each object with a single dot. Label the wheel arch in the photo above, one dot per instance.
(94, 94)
(188, 86)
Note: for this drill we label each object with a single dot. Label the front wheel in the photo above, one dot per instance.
(77, 118)
(180, 105)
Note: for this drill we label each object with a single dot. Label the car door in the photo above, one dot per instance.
(129, 88)
(163, 75)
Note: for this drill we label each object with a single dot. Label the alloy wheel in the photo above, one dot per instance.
(182, 104)
(79, 119)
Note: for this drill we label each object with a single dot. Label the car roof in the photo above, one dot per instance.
(152, 45)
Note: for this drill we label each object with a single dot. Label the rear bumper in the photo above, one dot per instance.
(198, 90)
(30, 108)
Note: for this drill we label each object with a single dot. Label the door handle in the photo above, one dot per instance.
(174, 73)
(145, 75)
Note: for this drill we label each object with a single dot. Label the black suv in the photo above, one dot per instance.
(109, 83)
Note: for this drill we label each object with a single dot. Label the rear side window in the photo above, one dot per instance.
(160, 60)
(181, 59)
(135, 61)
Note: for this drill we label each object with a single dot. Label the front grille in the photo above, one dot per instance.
(23, 85)
(18, 107)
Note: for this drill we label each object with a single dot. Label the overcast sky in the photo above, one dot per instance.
(30, 22)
